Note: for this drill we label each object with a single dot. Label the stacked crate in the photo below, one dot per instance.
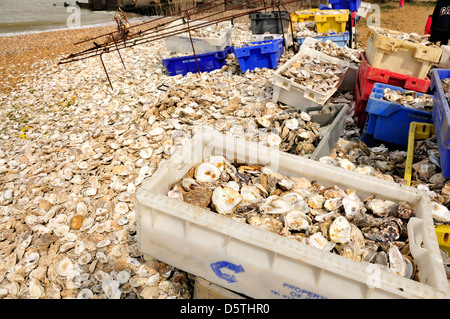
(270, 25)
(353, 6)
(259, 54)
(326, 21)
(367, 76)
(392, 61)
(389, 122)
(210, 52)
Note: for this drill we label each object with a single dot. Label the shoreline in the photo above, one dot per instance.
(27, 53)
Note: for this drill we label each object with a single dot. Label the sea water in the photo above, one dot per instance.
(26, 16)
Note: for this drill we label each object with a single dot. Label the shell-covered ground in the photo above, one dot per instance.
(73, 152)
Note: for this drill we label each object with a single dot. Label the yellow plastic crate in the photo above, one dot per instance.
(305, 15)
(417, 131)
(293, 17)
(443, 236)
(335, 22)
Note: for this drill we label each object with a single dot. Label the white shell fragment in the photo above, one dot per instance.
(396, 262)
(340, 230)
(319, 241)
(111, 289)
(382, 207)
(275, 205)
(146, 153)
(352, 204)
(440, 212)
(207, 173)
(225, 199)
(292, 124)
(250, 193)
(273, 140)
(85, 294)
(123, 276)
(296, 220)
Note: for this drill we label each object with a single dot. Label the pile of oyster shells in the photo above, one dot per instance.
(73, 152)
(290, 132)
(332, 49)
(211, 31)
(322, 12)
(329, 218)
(409, 98)
(305, 29)
(314, 73)
(389, 165)
(410, 37)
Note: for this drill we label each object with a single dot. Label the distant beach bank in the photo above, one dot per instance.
(24, 53)
(31, 16)
(21, 56)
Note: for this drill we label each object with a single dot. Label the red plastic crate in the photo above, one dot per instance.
(368, 76)
(360, 104)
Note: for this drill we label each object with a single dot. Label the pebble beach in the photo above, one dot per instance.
(73, 152)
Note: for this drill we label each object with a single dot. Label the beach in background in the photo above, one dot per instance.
(24, 54)
(25, 16)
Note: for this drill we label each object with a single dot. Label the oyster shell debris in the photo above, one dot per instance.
(411, 99)
(71, 150)
(410, 37)
(388, 164)
(325, 217)
(314, 73)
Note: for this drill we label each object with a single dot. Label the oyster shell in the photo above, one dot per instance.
(225, 200)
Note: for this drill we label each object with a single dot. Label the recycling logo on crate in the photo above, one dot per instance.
(222, 270)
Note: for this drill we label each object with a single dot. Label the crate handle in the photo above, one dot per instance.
(415, 234)
(163, 87)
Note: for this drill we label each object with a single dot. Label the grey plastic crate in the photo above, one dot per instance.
(331, 116)
(262, 22)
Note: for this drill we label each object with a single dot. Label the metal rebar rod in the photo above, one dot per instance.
(72, 57)
(120, 55)
(147, 39)
(101, 59)
(140, 33)
(151, 21)
(192, 44)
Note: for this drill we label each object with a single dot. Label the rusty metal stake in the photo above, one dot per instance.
(282, 29)
(120, 55)
(192, 44)
(291, 25)
(101, 59)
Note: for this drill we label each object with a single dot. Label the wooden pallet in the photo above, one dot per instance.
(204, 289)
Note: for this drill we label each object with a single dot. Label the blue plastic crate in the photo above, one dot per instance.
(259, 54)
(441, 118)
(352, 5)
(206, 62)
(324, 7)
(387, 121)
(340, 39)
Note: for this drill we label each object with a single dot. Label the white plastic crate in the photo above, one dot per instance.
(295, 95)
(261, 264)
(400, 56)
(348, 83)
(444, 63)
(363, 9)
(182, 43)
(332, 132)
